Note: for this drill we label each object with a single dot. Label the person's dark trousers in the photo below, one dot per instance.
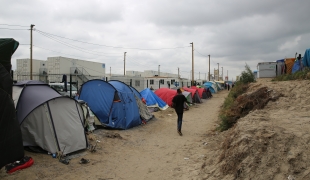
(180, 117)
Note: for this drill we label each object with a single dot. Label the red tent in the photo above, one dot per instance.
(201, 91)
(193, 91)
(195, 94)
(166, 95)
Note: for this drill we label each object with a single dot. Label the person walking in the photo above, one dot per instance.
(178, 105)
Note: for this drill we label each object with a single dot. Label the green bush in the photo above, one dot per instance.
(295, 76)
(240, 87)
(247, 76)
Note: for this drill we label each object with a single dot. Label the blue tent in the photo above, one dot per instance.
(112, 102)
(306, 58)
(152, 100)
(136, 92)
(209, 85)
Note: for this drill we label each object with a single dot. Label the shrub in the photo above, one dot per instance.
(240, 87)
(297, 75)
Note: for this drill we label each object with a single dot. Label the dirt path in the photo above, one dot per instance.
(151, 151)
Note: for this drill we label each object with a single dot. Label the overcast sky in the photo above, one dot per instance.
(159, 32)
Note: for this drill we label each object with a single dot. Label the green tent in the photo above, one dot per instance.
(11, 144)
(7, 48)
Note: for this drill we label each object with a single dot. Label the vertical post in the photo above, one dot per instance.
(147, 83)
(158, 70)
(214, 74)
(209, 67)
(222, 74)
(192, 63)
(124, 62)
(70, 85)
(218, 71)
(31, 28)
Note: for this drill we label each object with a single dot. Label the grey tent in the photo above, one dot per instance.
(47, 119)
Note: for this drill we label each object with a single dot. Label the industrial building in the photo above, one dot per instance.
(52, 70)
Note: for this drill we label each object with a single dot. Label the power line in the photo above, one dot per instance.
(13, 29)
(51, 37)
(60, 52)
(108, 45)
(206, 56)
(13, 25)
(75, 47)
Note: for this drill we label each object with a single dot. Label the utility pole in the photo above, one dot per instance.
(214, 74)
(178, 73)
(222, 74)
(192, 63)
(209, 67)
(227, 75)
(218, 71)
(31, 28)
(158, 70)
(124, 61)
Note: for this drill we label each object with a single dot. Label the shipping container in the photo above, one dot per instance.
(80, 70)
(267, 70)
(22, 71)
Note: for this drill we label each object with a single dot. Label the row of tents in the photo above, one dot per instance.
(57, 123)
(43, 118)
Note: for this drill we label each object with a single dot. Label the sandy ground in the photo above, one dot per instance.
(151, 151)
(269, 143)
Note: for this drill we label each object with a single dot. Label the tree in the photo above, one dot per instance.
(247, 76)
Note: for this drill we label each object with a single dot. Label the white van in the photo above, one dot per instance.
(60, 88)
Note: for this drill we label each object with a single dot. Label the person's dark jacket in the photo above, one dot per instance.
(178, 102)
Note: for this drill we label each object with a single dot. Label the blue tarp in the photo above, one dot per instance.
(306, 58)
(296, 66)
(152, 100)
(112, 102)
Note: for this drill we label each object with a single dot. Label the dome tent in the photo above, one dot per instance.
(113, 103)
(47, 119)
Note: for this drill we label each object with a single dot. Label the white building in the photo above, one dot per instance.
(22, 71)
(54, 68)
(80, 70)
